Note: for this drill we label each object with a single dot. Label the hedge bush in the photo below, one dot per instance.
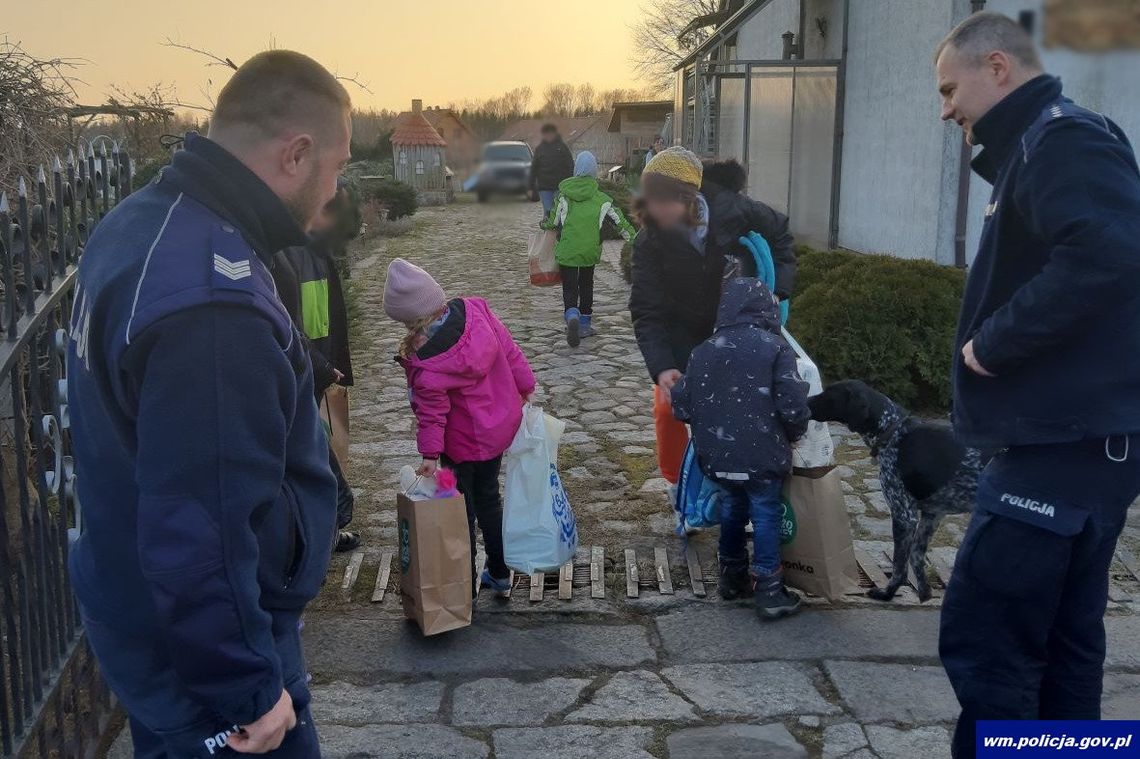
(812, 265)
(398, 198)
(884, 320)
(622, 196)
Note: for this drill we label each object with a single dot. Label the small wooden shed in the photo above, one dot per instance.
(418, 155)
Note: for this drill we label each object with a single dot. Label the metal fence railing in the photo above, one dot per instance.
(52, 701)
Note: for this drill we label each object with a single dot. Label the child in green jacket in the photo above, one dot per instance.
(579, 213)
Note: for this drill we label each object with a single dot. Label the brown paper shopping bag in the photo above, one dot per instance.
(815, 538)
(435, 558)
(335, 413)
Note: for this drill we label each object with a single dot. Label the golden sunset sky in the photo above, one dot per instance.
(437, 50)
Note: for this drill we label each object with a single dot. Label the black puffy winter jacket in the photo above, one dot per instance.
(552, 163)
(676, 288)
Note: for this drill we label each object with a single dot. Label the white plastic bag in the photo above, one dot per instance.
(416, 487)
(539, 530)
(815, 449)
(544, 269)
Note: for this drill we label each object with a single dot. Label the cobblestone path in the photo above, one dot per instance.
(662, 675)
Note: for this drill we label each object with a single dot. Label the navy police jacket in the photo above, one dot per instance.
(1052, 301)
(208, 504)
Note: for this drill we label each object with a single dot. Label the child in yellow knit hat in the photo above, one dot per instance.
(692, 217)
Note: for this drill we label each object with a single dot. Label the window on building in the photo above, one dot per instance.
(403, 158)
(419, 167)
(435, 161)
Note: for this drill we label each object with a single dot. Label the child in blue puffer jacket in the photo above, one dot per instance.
(746, 404)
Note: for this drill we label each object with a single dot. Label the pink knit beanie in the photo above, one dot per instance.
(410, 293)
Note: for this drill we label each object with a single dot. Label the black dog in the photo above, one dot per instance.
(924, 471)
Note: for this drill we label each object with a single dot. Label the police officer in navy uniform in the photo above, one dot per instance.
(1047, 375)
(203, 470)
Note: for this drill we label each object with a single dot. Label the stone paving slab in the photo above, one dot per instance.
(1121, 697)
(843, 739)
(720, 632)
(634, 697)
(763, 689)
(347, 704)
(498, 701)
(1123, 634)
(894, 743)
(735, 742)
(900, 693)
(573, 742)
(364, 650)
(398, 742)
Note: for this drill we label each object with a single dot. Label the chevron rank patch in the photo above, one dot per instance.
(234, 270)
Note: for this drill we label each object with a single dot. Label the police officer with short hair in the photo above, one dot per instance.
(1048, 375)
(209, 506)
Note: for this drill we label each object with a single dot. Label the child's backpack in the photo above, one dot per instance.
(698, 497)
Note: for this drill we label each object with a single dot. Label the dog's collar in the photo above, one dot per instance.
(884, 437)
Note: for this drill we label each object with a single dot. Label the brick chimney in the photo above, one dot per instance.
(417, 106)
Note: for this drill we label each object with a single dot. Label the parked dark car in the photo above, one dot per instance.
(504, 170)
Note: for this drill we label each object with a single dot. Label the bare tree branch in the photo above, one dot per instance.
(354, 80)
(214, 60)
(661, 38)
(33, 124)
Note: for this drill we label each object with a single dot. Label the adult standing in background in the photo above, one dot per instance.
(208, 503)
(692, 218)
(552, 163)
(1047, 374)
(657, 147)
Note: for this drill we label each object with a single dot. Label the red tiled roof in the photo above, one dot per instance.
(413, 129)
(435, 115)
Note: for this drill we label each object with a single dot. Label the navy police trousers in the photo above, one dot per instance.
(1022, 633)
(166, 723)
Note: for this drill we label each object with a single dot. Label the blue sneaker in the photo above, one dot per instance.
(573, 327)
(501, 588)
(586, 329)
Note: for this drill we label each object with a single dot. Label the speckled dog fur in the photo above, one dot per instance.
(924, 473)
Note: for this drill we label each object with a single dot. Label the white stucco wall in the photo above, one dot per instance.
(759, 38)
(1109, 83)
(895, 167)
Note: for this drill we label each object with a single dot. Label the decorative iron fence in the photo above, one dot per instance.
(52, 701)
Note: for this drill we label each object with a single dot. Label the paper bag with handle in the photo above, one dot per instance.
(815, 538)
(435, 561)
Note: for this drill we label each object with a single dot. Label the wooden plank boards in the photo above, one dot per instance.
(696, 574)
(511, 581)
(382, 576)
(1117, 594)
(480, 562)
(632, 579)
(910, 578)
(942, 567)
(871, 568)
(537, 584)
(352, 571)
(661, 564)
(597, 572)
(566, 581)
(1129, 561)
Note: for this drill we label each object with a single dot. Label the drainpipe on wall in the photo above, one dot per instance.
(963, 206)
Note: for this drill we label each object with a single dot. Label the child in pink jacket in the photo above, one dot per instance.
(468, 381)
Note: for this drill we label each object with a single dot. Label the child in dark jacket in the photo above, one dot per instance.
(746, 404)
